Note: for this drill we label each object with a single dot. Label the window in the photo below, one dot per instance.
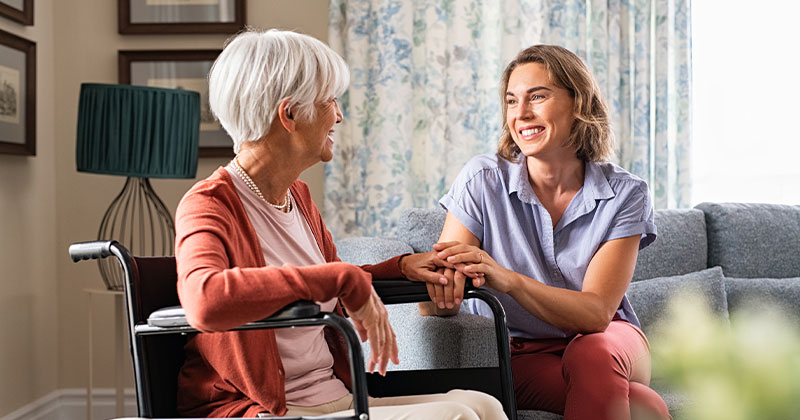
(746, 101)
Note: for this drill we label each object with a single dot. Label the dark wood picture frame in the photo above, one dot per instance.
(24, 16)
(126, 59)
(125, 25)
(26, 145)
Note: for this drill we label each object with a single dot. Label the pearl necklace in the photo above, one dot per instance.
(285, 207)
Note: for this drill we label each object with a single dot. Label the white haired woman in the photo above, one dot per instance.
(250, 241)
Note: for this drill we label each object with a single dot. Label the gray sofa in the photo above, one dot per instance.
(734, 254)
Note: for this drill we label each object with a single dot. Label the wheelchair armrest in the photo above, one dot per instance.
(174, 316)
(393, 291)
(172, 320)
(171, 316)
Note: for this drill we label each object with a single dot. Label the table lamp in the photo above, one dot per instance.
(138, 132)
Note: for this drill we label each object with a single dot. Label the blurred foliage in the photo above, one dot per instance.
(745, 369)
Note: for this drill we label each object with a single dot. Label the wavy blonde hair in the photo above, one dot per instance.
(590, 134)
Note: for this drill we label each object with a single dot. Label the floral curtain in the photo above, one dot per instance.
(424, 93)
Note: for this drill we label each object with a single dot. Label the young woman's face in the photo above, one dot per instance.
(539, 114)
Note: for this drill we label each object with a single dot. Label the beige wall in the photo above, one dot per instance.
(45, 204)
(29, 280)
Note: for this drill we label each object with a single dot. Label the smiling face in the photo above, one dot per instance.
(539, 114)
(318, 132)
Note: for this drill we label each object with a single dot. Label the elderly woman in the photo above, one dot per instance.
(554, 231)
(250, 241)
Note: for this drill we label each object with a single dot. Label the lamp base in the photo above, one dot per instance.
(140, 221)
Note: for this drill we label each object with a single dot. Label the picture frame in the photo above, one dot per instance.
(182, 69)
(180, 16)
(17, 95)
(18, 10)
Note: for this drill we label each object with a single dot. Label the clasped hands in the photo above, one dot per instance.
(444, 271)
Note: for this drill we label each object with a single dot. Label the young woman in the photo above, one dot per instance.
(554, 230)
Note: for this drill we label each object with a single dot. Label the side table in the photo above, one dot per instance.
(119, 344)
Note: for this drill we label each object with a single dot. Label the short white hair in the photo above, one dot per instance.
(258, 69)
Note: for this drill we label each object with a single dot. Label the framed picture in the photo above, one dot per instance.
(17, 95)
(179, 69)
(179, 16)
(17, 10)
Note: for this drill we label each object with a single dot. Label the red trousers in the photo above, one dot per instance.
(589, 376)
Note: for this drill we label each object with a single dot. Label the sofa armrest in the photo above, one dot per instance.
(425, 342)
(432, 342)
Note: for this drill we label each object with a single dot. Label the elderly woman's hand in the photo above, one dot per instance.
(424, 267)
(445, 284)
(372, 323)
(450, 293)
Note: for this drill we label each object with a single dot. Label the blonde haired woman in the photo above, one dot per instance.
(554, 230)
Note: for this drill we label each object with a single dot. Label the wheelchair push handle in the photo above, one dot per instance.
(91, 250)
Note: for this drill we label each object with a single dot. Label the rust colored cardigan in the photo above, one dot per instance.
(224, 282)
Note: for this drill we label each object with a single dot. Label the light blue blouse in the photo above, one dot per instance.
(493, 198)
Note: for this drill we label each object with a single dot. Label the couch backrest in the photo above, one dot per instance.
(680, 246)
(753, 240)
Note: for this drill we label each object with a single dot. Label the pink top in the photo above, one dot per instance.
(306, 358)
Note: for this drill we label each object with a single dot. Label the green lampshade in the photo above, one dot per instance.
(137, 131)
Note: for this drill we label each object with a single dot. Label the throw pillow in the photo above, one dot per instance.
(782, 294)
(650, 298)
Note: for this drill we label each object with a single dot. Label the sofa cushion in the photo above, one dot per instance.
(420, 228)
(677, 401)
(782, 294)
(753, 240)
(537, 415)
(361, 250)
(679, 248)
(649, 298)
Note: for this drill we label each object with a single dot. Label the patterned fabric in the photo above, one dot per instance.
(424, 96)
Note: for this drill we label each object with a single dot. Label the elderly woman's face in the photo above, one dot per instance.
(318, 132)
(539, 114)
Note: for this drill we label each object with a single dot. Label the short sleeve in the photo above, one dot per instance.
(634, 216)
(464, 199)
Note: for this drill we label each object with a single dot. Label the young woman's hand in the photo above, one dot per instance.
(372, 323)
(450, 293)
(475, 263)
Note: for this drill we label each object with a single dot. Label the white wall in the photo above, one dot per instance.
(28, 251)
(45, 204)
(744, 97)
